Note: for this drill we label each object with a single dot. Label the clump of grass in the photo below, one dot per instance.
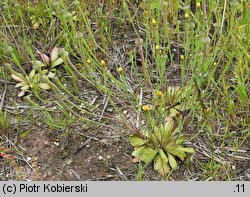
(9, 158)
(4, 122)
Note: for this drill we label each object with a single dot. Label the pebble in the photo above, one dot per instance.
(28, 159)
(100, 158)
(56, 143)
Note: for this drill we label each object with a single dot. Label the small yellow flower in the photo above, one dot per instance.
(103, 63)
(153, 21)
(160, 51)
(207, 110)
(157, 47)
(36, 25)
(198, 5)
(120, 69)
(79, 65)
(215, 63)
(89, 61)
(186, 16)
(145, 108)
(159, 94)
(182, 57)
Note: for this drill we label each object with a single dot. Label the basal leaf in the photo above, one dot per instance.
(17, 78)
(158, 133)
(145, 132)
(51, 75)
(44, 86)
(161, 166)
(177, 93)
(36, 78)
(187, 150)
(54, 54)
(148, 154)
(45, 59)
(169, 124)
(176, 152)
(20, 84)
(57, 62)
(163, 156)
(181, 139)
(136, 140)
(153, 139)
(174, 111)
(38, 65)
(164, 170)
(21, 93)
(25, 87)
(138, 151)
(32, 73)
(157, 162)
(172, 161)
